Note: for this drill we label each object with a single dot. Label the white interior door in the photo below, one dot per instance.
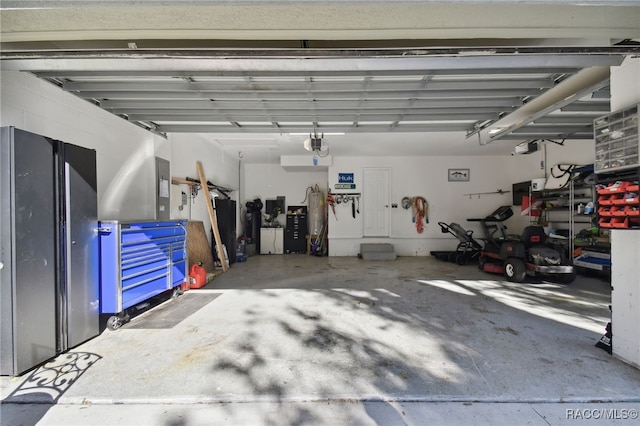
(375, 199)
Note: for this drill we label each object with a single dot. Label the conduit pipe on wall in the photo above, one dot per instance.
(568, 91)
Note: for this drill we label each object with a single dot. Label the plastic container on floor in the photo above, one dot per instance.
(197, 276)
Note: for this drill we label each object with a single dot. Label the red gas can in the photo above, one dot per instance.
(197, 276)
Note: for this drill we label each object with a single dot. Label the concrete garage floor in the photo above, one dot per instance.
(296, 339)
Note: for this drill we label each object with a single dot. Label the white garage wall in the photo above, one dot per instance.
(625, 84)
(411, 176)
(427, 177)
(267, 181)
(125, 152)
(419, 176)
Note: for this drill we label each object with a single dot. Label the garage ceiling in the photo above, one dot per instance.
(269, 67)
(395, 90)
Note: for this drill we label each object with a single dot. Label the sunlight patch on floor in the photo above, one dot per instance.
(542, 300)
(448, 285)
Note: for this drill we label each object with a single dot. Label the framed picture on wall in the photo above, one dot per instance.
(458, 175)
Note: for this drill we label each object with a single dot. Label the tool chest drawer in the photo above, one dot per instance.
(139, 260)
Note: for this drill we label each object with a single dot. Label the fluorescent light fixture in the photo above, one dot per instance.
(324, 133)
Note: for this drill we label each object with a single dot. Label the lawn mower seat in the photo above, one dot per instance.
(533, 236)
(534, 239)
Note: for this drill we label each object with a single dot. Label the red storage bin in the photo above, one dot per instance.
(604, 200)
(618, 211)
(605, 222)
(614, 188)
(632, 211)
(618, 199)
(620, 222)
(635, 200)
(604, 211)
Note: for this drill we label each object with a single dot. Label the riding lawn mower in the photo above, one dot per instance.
(534, 252)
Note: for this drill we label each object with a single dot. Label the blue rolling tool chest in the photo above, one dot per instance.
(139, 260)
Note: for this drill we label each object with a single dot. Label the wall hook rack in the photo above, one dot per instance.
(498, 191)
(196, 186)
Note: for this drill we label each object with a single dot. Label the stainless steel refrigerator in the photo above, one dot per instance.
(49, 294)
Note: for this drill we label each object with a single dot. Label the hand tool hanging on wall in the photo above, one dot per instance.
(420, 208)
(497, 191)
(211, 186)
(406, 203)
(331, 202)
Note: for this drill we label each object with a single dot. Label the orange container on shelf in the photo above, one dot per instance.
(634, 200)
(614, 188)
(618, 199)
(197, 276)
(604, 200)
(617, 211)
(605, 222)
(604, 211)
(620, 222)
(632, 211)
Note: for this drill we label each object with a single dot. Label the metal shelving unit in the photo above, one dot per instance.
(560, 207)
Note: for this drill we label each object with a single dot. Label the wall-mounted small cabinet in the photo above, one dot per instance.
(616, 141)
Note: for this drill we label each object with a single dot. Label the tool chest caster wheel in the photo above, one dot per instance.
(114, 323)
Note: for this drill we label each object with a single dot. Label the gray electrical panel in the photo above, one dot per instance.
(163, 192)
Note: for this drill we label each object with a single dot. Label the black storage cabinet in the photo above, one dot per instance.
(295, 235)
(226, 215)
